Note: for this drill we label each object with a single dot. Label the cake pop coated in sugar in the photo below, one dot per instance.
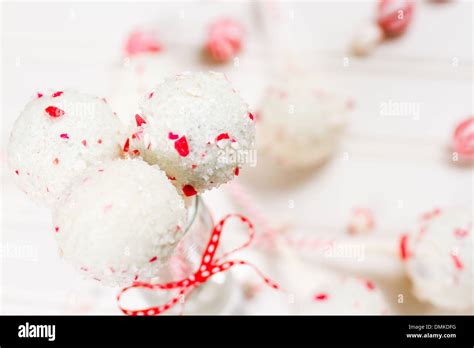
(439, 259)
(299, 126)
(195, 126)
(394, 16)
(224, 39)
(56, 137)
(120, 221)
(349, 295)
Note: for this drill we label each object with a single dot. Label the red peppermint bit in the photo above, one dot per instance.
(189, 191)
(56, 229)
(136, 152)
(135, 278)
(181, 145)
(57, 94)
(251, 116)
(460, 233)
(431, 214)
(56, 161)
(17, 172)
(350, 104)
(403, 247)
(150, 95)
(222, 136)
(54, 111)
(194, 166)
(172, 136)
(172, 178)
(153, 259)
(126, 146)
(369, 285)
(457, 262)
(39, 95)
(321, 297)
(84, 142)
(139, 120)
(64, 136)
(99, 141)
(236, 171)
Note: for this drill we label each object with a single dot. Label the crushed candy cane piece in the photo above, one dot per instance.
(126, 146)
(181, 146)
(189, 191)
(172, 136)
(139, 120)
(321, 297)
(54, 111)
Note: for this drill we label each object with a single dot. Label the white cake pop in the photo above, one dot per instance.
(298, 125)
(347, 296)
(120, 221)
(198, 129)
(439, 260)
(56, 137)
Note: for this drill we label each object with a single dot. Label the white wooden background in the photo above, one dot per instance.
(397, 165)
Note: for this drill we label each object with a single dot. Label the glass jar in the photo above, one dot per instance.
(219, 294)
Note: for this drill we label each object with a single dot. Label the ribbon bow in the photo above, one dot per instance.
(209, 266)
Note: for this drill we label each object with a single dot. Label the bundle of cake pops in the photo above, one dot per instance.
(118, 196)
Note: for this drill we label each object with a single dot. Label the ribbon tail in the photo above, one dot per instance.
(228, 264)
(151, 310)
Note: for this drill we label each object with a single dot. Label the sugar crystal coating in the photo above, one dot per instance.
(56, 137)
(197, 129)
(120, 221)
(439, 259)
